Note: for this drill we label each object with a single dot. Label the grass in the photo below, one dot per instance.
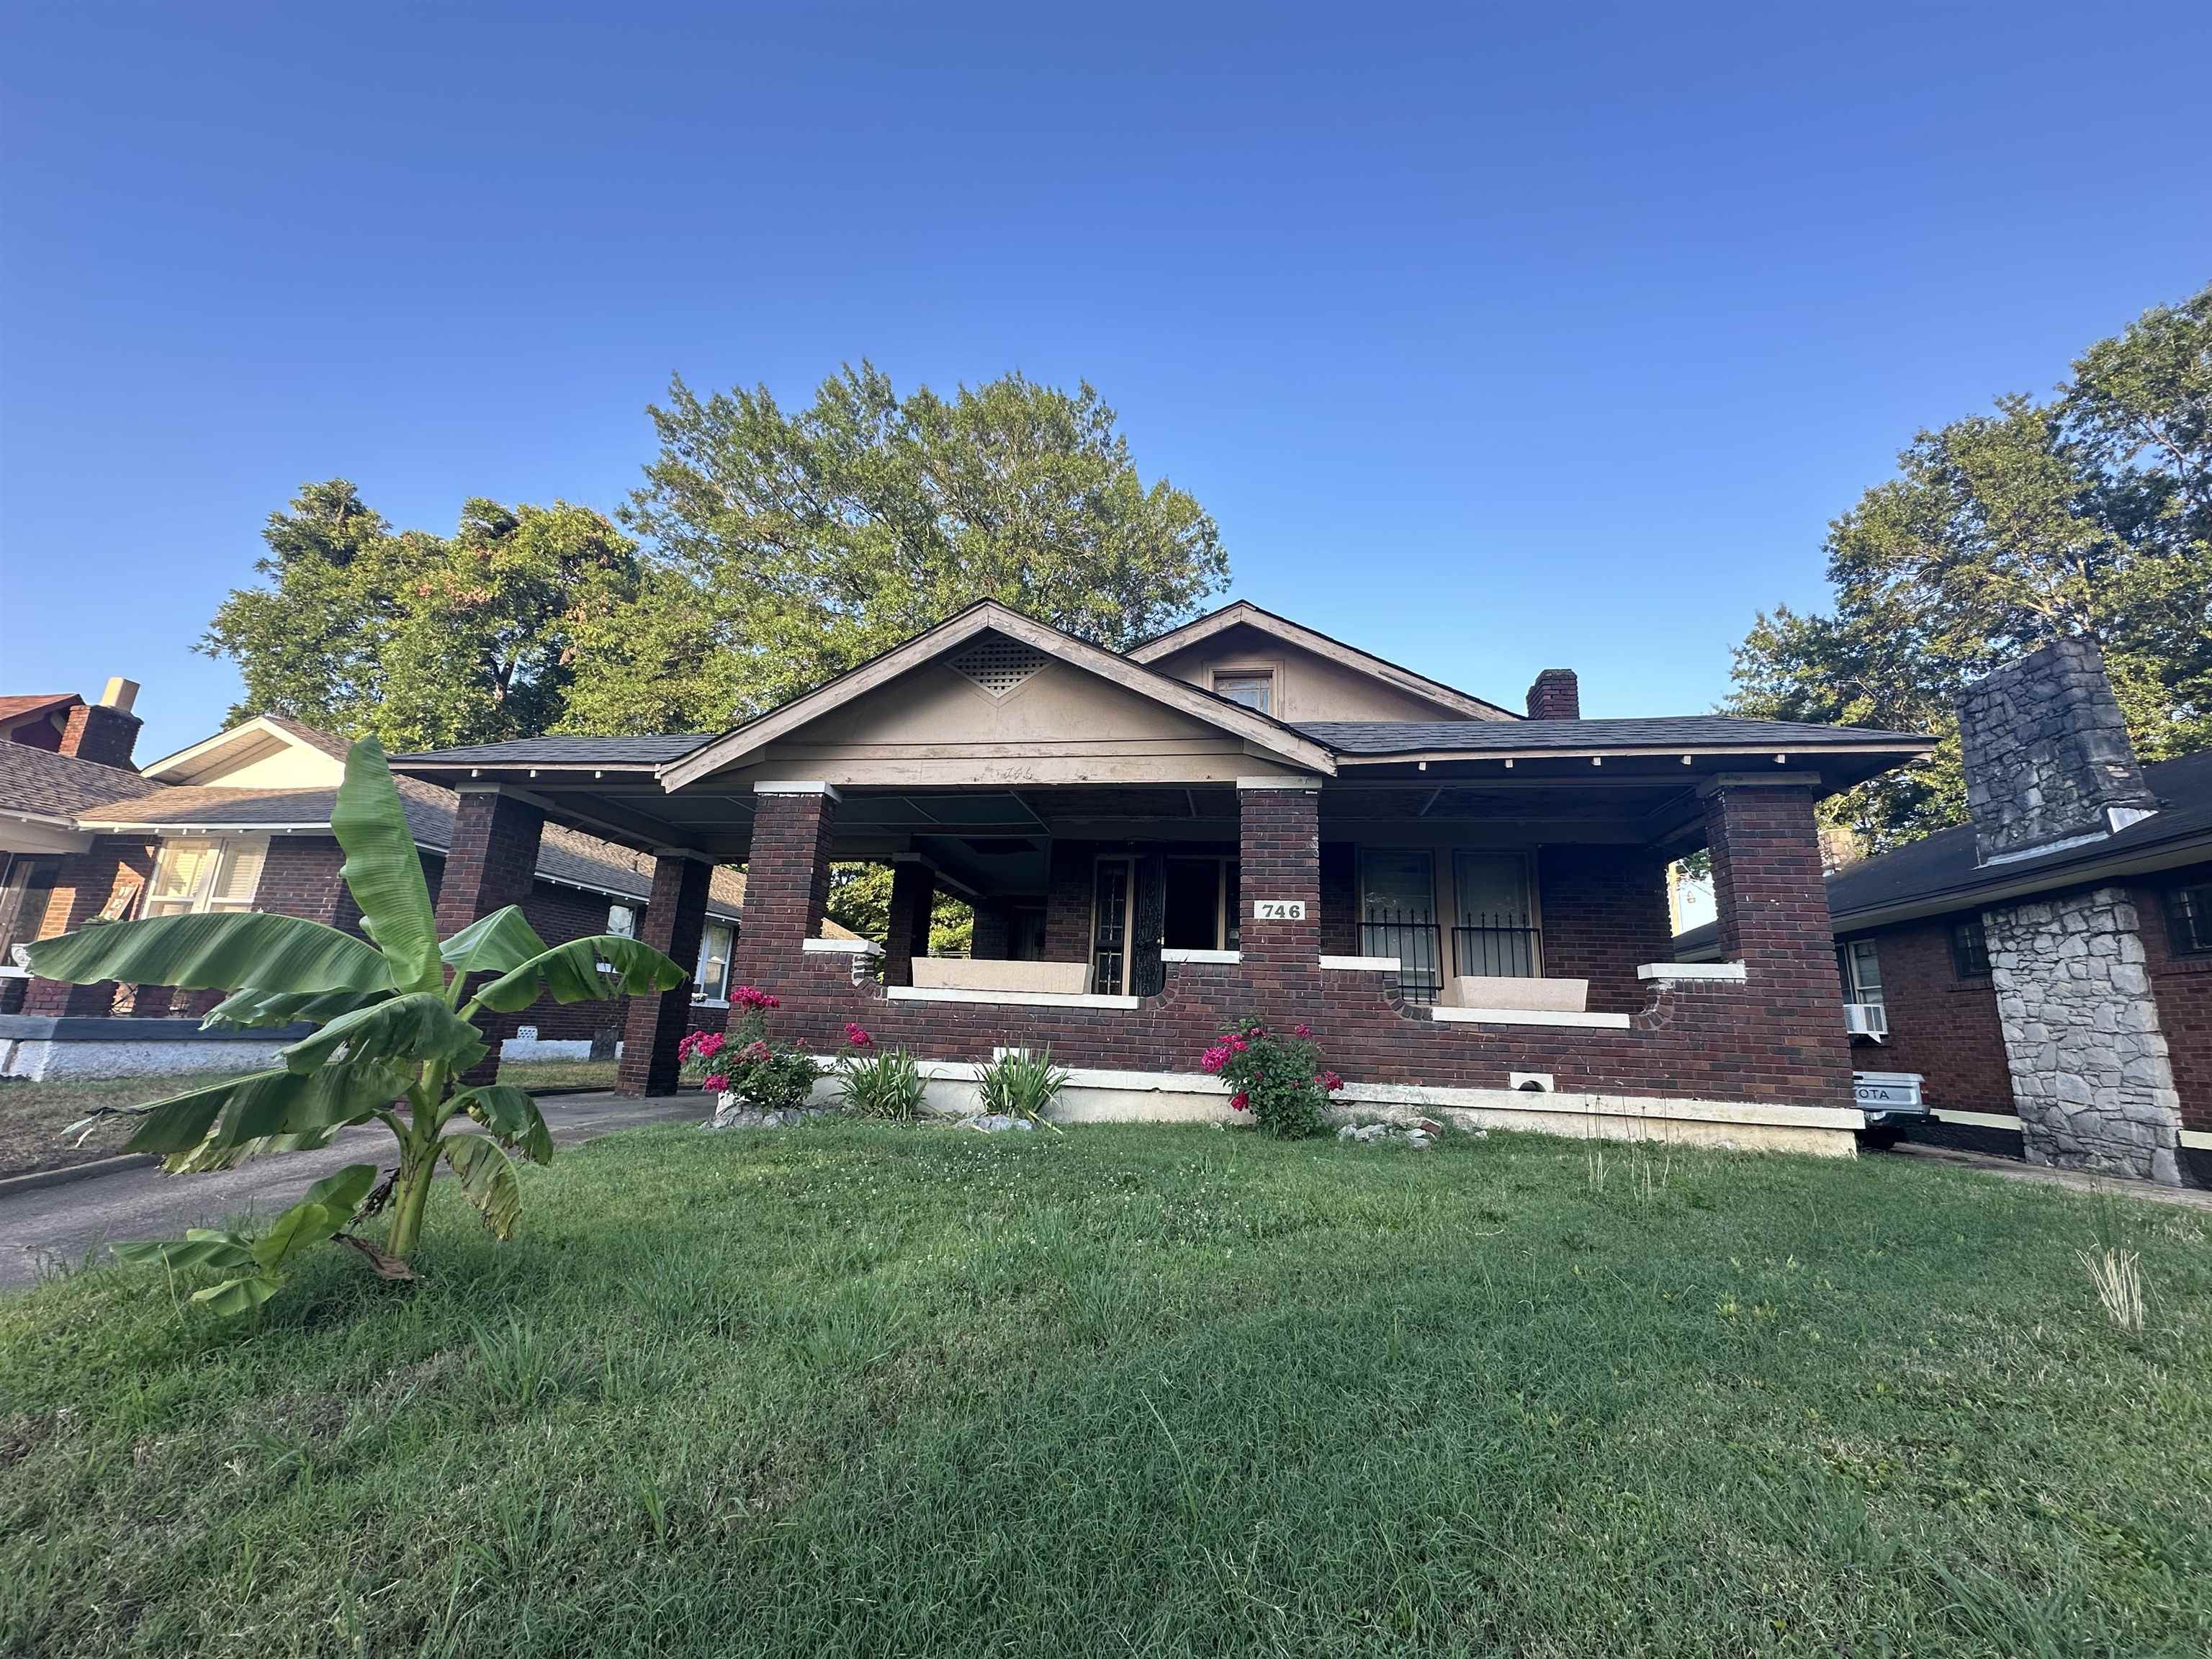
(33, 1115)
(859, 1388)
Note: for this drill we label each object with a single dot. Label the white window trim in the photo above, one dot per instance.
(1270, 671)
(198, 903)
(1850, 949)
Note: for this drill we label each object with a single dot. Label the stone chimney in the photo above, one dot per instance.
(105, 731)
(1556, 696)
(2047, 757)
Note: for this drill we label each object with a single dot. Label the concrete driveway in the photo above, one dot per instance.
(49, 1229)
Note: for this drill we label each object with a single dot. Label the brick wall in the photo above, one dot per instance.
(2183, 988)
(914, 896)
(83, 884)
(1279, 857)
(787, 884)
(1942, 1026)
(1340, 899)
(493, 862)
(97, 733)
(675, 920)
(1604, 914)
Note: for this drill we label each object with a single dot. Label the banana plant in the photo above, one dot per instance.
(395, 1012)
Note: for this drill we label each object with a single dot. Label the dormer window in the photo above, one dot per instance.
(1253, 687)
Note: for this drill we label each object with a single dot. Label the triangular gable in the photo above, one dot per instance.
(1244, 614)
(261, 753)
(967, 639)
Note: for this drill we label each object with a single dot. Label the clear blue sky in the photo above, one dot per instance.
(1494, 338)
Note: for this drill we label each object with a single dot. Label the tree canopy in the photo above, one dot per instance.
(417, 640)
(778, 551)
(2087, 513)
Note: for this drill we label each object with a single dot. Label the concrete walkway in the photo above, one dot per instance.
(2012, 1168)
(50, 1228)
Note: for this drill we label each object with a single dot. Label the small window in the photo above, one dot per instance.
(1254, 688)
(1862, 971)
(2189, 919)
(622, 921)
(712, 982)
(204, 874)
(1970, 949)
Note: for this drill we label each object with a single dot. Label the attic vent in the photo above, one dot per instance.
(999, 665)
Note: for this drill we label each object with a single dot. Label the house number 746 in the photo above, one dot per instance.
(1279, 910)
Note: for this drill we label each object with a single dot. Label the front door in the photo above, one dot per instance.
(1397, 903)
(1112, 897)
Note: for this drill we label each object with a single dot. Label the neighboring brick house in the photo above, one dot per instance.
(2080, 897)
(242, 822)
(1246, 816)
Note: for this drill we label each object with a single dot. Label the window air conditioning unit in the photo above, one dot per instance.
(1866, 1019)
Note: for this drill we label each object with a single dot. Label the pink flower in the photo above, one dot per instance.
(1214, 1058)
(856, 1036)
(753, 1052)
(708, 1044)
(1237, 1045)
(1302, 1030)
(746, 997)
(715, 1084)
(1240, 1101)
(1329, 1081)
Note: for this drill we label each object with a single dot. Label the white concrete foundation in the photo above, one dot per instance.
(43, 1060)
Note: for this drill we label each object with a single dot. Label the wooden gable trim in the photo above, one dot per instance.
(1259, 733)
(1244, 613)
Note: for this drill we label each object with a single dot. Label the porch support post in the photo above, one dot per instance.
(492, 862)
(993, 939)
(786, 883)
(1773, 912)
(675, 922)
(1278, 861)
(914, 897)
(83, 885)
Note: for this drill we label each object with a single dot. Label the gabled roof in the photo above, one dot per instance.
(1244, 614)
(16, 708)
(1267, 736)
(40, 783)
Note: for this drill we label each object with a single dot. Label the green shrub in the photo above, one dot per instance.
(1021, 1083)
(879, 1083)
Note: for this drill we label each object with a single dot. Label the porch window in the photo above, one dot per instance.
(1862, 971)
(711, 983)
(1253, 687)
(23, 893)
(206, 874)
(1398, 907)
(1496, 934)
(1201, 904)
(622, 921)
(1970, 949)
(2189, 919)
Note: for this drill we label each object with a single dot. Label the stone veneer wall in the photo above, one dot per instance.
(2091, 1079)
(2046, 751)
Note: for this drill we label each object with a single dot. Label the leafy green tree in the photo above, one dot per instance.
(2088, 514)
(420, 640)
(395, 1036)
(811, 541)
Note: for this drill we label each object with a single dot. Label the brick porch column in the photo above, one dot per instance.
(913, 896)
(83, 884)
(493, 862)
(993, 937)
(1278, 859)
(787, 884)
(1773, 906)
(675, 922)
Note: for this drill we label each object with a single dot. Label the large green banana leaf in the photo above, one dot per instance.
(252, 1008)
(493, 943)
(263, 1104)
(513, 1116)
(218, 951)
(415, 1027)
(328, 1205)
(383, 872)
(570, 972)
(488, 1179)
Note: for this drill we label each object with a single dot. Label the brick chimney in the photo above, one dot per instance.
(1556, 696)
(2046, 753)
(105, 731)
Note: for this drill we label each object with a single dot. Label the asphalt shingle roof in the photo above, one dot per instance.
(39, 782)
(649, 750)
(1691, 731)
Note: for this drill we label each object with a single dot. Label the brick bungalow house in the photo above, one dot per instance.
(241, 821)
(1243, 816)
(2046, 967)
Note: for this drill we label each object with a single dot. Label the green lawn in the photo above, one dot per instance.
(855, 1389)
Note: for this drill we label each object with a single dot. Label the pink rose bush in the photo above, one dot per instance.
(1278, 1078)
(745, 1063)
